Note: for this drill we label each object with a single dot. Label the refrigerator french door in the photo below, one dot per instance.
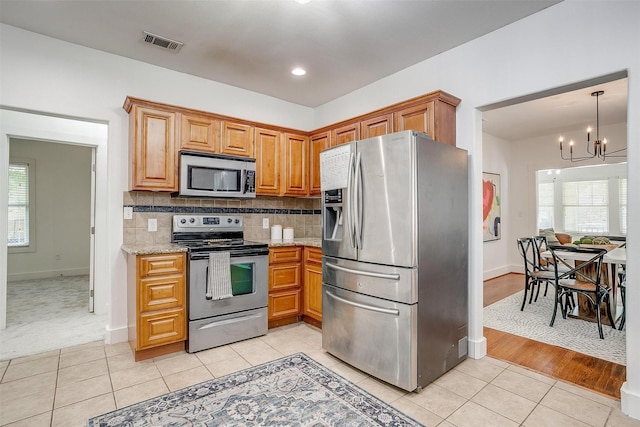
(395, 236)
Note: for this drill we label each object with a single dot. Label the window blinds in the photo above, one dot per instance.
(585, 206)
(18, 202)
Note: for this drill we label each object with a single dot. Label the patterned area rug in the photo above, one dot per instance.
(571, 333)
(292, 391)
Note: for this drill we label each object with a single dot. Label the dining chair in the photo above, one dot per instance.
(533, 276)
(543, 264)
(584, 278)
(622, 273)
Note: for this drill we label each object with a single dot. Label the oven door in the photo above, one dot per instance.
(249, 283)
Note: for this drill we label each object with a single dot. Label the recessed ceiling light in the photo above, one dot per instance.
(298, 71)
(302, 1)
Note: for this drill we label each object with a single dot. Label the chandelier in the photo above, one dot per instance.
(596, 148)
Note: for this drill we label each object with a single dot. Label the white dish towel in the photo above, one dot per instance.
(219, 280)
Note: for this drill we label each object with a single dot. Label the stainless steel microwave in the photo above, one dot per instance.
(216, 175)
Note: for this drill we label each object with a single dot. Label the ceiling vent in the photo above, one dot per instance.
(162, 42)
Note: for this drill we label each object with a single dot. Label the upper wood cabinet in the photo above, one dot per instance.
(376, 126)
(153, 149)
(345, 133)
(268, 160)
(295, 173)
(317, 143)
(237, 139)
(435, 117)
(199, 133)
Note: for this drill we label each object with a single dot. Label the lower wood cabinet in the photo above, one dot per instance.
(295, 285)
(312, 306)
(156, 304)
(285, 284)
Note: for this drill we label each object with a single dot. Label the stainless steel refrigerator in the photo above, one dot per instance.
(395, 256)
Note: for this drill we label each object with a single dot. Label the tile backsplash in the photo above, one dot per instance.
(303, 215)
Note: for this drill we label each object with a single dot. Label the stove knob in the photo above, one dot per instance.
(183, 221)
(192, 220)
(237, 221)
(229, 220)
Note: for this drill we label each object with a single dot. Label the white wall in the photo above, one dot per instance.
(495, 159)
(62, 211)
(550, 49)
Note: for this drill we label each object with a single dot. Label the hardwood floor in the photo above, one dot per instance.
(592, 373)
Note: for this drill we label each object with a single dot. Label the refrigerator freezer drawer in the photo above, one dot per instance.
(381, 281)
(374, 335)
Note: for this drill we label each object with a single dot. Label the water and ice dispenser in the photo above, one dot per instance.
(332, 220)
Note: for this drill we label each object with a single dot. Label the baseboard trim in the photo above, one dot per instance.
(629, 402)
(115, 336)
(496, 272)
(35, 275)
(478, 348)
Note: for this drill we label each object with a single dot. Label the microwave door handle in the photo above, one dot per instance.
(243, 181)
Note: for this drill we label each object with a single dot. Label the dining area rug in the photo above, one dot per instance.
(291, 391)
(573, 334)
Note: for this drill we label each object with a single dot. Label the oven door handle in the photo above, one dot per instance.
(392, 311)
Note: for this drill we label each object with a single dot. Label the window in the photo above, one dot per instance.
(585, 206)
(622, 187)
(18, 204)
(545, 205)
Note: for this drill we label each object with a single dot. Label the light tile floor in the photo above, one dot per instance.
(65, 387)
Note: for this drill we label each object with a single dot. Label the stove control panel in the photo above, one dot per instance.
(207, 222)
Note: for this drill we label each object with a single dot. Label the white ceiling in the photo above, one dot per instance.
(254, 44)
(559, 113)
(343, 44)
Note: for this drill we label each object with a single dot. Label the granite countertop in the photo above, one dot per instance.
(153, 248)
(298, 241)
(166, 248)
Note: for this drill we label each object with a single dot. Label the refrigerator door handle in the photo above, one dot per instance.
(390, 311)
(358, 201)
(351, 219)
(363, 272)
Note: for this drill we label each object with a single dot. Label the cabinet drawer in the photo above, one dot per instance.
(284, 276)
(284, 304)
(313, 256)
(159, 293)
(152, 265)
(161, 328)
(285, 254)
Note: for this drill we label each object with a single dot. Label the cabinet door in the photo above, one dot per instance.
(419, 117)
(157, 328)
(376, 126)
(153, 150)
(344, 134)
(237, 139)
(295, 173)
(199, 133)
(317, 143)
(284, 304)
(284, 276)
(268, 160)
(312, 294)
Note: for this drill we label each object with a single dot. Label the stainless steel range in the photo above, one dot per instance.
(212, 322)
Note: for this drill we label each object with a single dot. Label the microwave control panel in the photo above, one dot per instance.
(250, 182)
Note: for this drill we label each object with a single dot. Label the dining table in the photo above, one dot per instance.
(613, 259)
